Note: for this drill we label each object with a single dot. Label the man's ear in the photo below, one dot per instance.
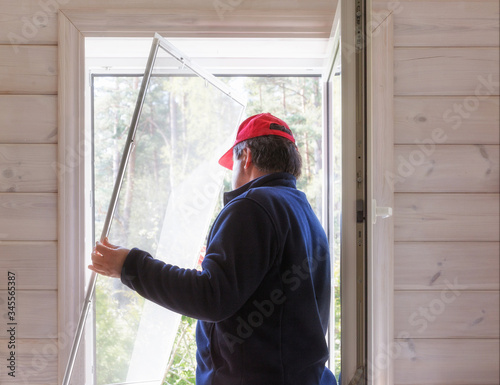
(247, 158)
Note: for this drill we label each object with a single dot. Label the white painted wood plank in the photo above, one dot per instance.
(36, 361)
(403, 2)
(28, 168)
(28, 22)
(27, 216)
(35, 313)
(266, 5)
(429, 167)
(428, 265)
(446, 361)
(464, 120)
(34, 263)
(28, 69)
(39, 125)
(195, 22)
(380, 328)
(35, 22)
(71, 230)
(446, 24)
(452, 312)
(446, 71)
(446, 217)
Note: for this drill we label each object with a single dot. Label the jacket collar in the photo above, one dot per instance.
(283, 179)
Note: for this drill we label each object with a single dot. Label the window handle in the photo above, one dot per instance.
(382, 212)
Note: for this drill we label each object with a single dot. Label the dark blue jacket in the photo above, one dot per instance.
(263, 294)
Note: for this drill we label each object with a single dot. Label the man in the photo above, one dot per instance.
(262, 298)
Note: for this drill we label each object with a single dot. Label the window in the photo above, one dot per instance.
(311, 143)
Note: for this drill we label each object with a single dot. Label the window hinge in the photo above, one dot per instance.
(359, 377)
(382, 212)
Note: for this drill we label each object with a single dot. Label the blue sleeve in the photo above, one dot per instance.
(241, 248)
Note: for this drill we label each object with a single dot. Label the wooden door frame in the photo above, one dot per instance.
(379, 261)
(380, 138)
(71, 178)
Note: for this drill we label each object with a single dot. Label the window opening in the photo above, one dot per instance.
(297, 99)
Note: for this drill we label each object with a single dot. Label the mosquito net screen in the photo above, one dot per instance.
(166, 202)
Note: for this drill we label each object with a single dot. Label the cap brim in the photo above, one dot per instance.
(226, 160)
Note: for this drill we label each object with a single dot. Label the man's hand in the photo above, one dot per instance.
(108, 259)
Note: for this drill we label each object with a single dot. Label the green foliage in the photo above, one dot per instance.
(114, 102)
(117, 322)
(182, 365)
(298, 101)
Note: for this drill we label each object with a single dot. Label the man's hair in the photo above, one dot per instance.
(272, 154)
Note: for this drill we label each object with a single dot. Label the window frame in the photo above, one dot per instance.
(74, 147)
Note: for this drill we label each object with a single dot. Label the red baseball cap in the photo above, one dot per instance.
(257, 125)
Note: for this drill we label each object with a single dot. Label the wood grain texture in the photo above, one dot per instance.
(446, 362)
(452, 312)
(385, 3)
(35, 22)
(28, 168)
(446, 71)
(446, 217)
(464, 120)
(36, 361)
(447, 24)
(428, 167)
(266, 5)
(381, 252)
(39, 125)
(31, 217)
(71, 230)
(203, 23)
(36, 313)
(28, 69)
(428, 265)
(34, 263)
(28, 22)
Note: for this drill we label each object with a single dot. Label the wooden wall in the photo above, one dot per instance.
(446, 213)
(446, 183)
(28, 200)
(28, 204)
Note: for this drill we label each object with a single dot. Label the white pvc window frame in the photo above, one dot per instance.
(73, 147)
